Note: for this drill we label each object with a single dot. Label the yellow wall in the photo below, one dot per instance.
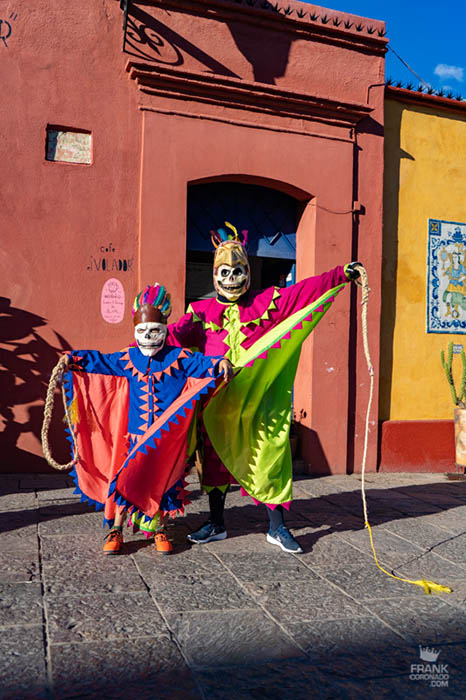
(425, 177)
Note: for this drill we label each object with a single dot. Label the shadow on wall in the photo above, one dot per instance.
(26, 360)
(393, 154)
(150, 40)
(268, 60)
(312, 451)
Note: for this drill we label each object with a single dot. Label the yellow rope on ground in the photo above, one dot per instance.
(55, 379)
(429, 586)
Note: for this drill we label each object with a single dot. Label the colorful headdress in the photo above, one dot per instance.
(222, 236)
(229, 249)
(157, 296)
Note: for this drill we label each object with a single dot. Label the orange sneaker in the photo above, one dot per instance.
(113, 542)
(162, 543)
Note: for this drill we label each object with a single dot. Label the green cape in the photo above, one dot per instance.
(248, 421)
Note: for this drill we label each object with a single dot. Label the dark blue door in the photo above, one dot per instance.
(270, 218)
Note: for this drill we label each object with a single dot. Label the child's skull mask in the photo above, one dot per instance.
(150, 330)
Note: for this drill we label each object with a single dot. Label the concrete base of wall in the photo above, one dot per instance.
(417, 446)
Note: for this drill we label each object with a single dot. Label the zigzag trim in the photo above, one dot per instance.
(205, 324)
(125, 357)
(231, 325)
(84, 499)
(144, 407)
(129, 365)
(272, 506)
(319, 311)
(184, 352)
(241, 326)
(266, 314)
(221, 488)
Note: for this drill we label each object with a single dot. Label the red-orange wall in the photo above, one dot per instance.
(213, 89)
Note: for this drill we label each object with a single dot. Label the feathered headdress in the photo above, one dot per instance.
(157, 296)
(222, 236)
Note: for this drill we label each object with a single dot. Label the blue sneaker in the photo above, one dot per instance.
(209, 532)
(284, 539)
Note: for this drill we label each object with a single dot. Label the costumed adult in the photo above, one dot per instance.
(131, 412)
(246, 428)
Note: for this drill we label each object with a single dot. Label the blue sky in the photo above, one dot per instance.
(429, 36)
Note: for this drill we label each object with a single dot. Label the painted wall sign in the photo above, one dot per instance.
(112, 301)
(106, 261)
(5, 27)
(446, 277)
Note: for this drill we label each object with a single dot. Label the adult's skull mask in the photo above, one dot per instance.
(232, 276)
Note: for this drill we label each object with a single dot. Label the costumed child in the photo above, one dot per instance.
(131, 412)
(251, 445)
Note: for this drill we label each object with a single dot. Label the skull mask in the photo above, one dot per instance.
(231, 270)
(150, 330)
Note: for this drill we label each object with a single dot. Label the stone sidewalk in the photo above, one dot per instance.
(236, 619)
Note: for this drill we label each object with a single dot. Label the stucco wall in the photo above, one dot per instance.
(62, 66)
(425, 161)
(213, 89)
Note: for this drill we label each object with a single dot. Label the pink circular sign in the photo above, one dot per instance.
(112, 301)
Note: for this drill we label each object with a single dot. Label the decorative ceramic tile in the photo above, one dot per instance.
(446, 277)
(69, 146)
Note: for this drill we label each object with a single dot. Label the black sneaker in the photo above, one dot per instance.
(284, 539)
(209, 532)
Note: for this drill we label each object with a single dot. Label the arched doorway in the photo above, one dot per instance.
(270, 217)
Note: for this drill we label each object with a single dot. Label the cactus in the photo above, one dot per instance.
(447, 366)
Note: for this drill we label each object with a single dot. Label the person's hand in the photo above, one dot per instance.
(351, 272)
(226, 368)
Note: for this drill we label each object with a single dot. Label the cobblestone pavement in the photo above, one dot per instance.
(236, 619)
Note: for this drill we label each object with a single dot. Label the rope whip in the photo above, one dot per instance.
(429, 586)
(55, 379)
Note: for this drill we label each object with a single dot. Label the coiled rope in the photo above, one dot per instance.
(429, 586)
(55, 379)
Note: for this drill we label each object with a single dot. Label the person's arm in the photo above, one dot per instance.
(299, 295)
(96, 362)
(186, 333)
(200, 366)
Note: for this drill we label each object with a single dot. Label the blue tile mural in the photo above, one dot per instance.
(446, 277)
